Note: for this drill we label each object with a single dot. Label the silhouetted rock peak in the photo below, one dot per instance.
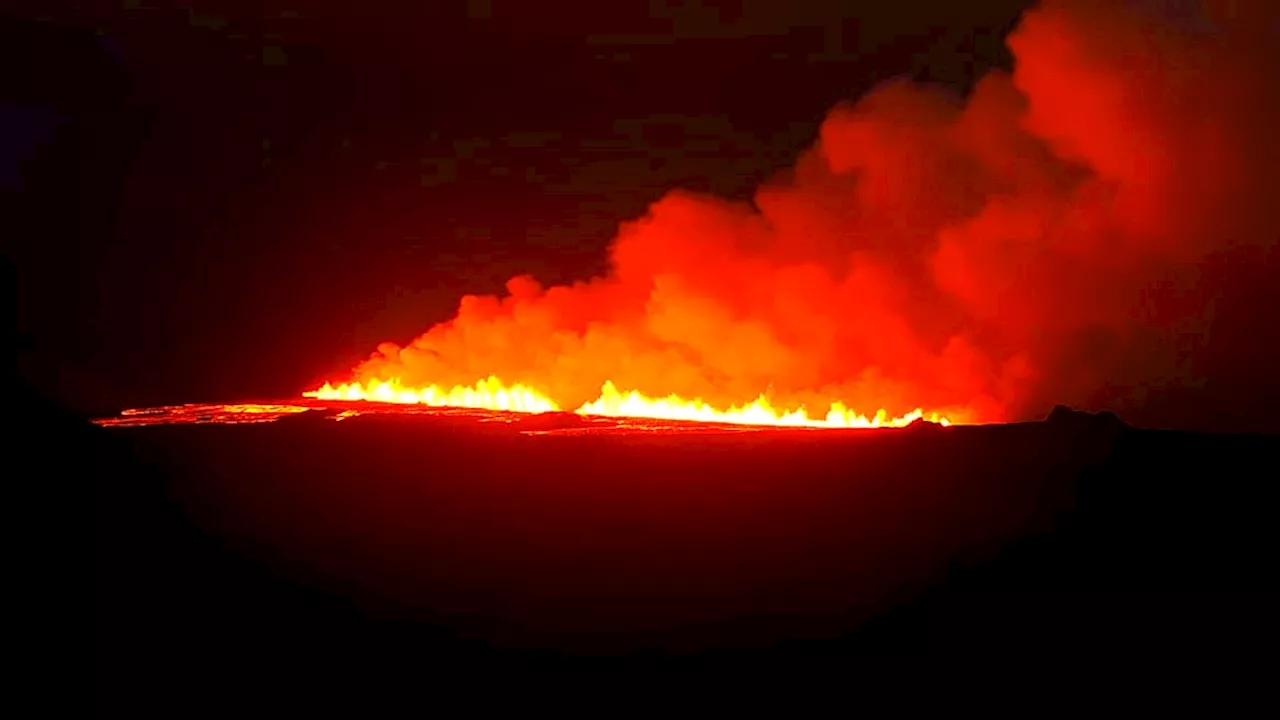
(1065, 416)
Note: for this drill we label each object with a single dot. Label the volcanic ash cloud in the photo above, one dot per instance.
(1095, 228)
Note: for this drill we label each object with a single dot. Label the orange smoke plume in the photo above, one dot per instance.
(1093, 228)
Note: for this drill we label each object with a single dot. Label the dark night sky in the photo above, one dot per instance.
(218, 200)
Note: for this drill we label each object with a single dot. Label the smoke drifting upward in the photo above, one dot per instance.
(1095, 229)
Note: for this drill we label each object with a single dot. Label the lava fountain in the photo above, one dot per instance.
(492, 394)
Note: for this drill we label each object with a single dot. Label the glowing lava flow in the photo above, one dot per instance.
(488, 394)
(613, 403)
(492, 394)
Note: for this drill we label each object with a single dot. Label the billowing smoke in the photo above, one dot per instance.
(1095, 229)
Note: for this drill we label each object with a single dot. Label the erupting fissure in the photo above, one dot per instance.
(492, 394)
(1091, 228)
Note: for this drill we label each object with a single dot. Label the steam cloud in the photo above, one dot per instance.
(1096, 228)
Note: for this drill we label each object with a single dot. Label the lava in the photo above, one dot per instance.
(492, 394)
(613, 403)
(487, 394)
(204, 413)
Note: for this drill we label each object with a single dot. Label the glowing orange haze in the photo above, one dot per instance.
(1041, 241)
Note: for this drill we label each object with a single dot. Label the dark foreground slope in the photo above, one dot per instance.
(380, 552)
